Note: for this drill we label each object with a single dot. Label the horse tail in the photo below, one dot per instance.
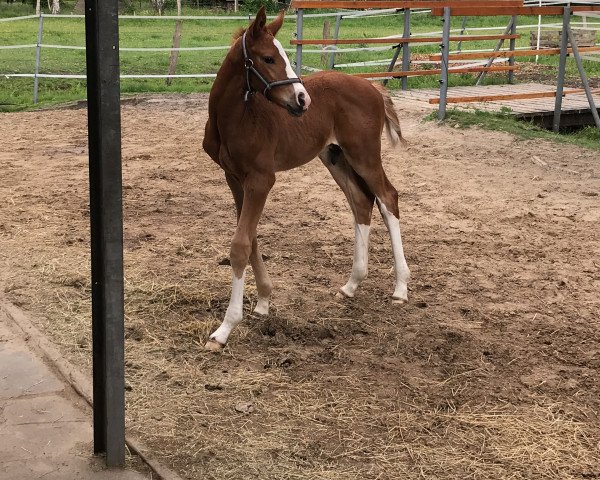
(392, 123)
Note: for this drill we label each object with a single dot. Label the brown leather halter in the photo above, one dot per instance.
(249, 65)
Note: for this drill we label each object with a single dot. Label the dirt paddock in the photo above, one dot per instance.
(490, 371)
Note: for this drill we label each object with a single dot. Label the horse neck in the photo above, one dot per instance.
(231, 77)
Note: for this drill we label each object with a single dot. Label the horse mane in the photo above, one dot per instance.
(238, 33)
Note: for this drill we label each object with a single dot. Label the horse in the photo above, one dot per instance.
(263, 119)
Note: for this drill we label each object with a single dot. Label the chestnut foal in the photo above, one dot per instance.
(263, 119)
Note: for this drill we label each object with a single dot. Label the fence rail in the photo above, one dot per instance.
(332, 47)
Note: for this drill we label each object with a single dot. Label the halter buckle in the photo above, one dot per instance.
(248, 63)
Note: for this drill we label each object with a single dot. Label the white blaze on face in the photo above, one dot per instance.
(298, 87)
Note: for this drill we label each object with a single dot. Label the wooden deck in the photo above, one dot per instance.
(575, 107)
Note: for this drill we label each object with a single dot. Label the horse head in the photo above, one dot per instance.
(268, 67)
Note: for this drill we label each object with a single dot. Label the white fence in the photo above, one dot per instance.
(329, 49)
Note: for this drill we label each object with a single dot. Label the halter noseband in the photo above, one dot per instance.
(249, 65)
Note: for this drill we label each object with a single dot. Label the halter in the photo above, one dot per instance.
(249, 65)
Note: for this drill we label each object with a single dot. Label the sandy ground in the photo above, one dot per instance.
(490, 371)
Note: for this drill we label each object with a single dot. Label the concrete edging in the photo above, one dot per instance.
(80, 382)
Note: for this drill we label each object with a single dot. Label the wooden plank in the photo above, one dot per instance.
(510, 96)
(350, 5)
(508, 53)
(519, 107)
(484, 11)
(414, 73)
(397, 40)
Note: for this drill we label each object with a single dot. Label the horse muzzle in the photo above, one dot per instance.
(300, 104)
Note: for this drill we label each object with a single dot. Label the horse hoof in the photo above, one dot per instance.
(399, 301)
(262, 307)
(344, 293)
(213, 346)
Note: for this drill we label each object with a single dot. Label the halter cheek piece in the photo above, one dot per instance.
(249, 65)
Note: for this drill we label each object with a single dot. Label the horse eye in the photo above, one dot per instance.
(269, 59)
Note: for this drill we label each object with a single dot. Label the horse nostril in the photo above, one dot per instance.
(301, 100)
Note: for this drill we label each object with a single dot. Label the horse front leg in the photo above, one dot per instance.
(256, 188)
(264, 286)
(361, 201)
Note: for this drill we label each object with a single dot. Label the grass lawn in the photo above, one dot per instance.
(16, 94)
(588, 137)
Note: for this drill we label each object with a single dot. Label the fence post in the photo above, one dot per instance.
(299, 22)
(175, 51)
(463, 27)
(397, 49)
(336, 32)
(106, 222)
(445, 46)
(584, 80)
(511, 47)
(38, 54)
(508, 29)
(562, 64)
(406, 48)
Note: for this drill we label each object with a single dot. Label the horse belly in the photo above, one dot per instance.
(295, 152)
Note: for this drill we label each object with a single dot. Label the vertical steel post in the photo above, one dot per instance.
(584, 80)
(106, 221)
(445, 46)
(336, 33)
(539, 32)
(38, 54)
(499, 44)
(562, 64)
(397, 49)
(463, 27)
(511, 47)
(299, 26)
(406, 48)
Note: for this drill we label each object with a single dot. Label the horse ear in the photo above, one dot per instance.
(276, 24)
(258, 25)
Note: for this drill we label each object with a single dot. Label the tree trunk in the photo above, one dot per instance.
(55, 10)
(159, 5)
(38, 8)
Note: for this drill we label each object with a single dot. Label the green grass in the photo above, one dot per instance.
(16, 94)
(588, 137)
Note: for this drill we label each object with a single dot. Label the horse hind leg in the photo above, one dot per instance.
(401, 270)
(368, 167)
(361, 201)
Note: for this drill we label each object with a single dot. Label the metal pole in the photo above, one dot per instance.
(511, 47)
(106, 220)
(397, 49)
(539, 32)
(507, 30)
(462, 32)
(584, 80)
(562, 63)
(299, 25)
(38, 54)
(445, 46)
(406, 48)
(336, 32)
